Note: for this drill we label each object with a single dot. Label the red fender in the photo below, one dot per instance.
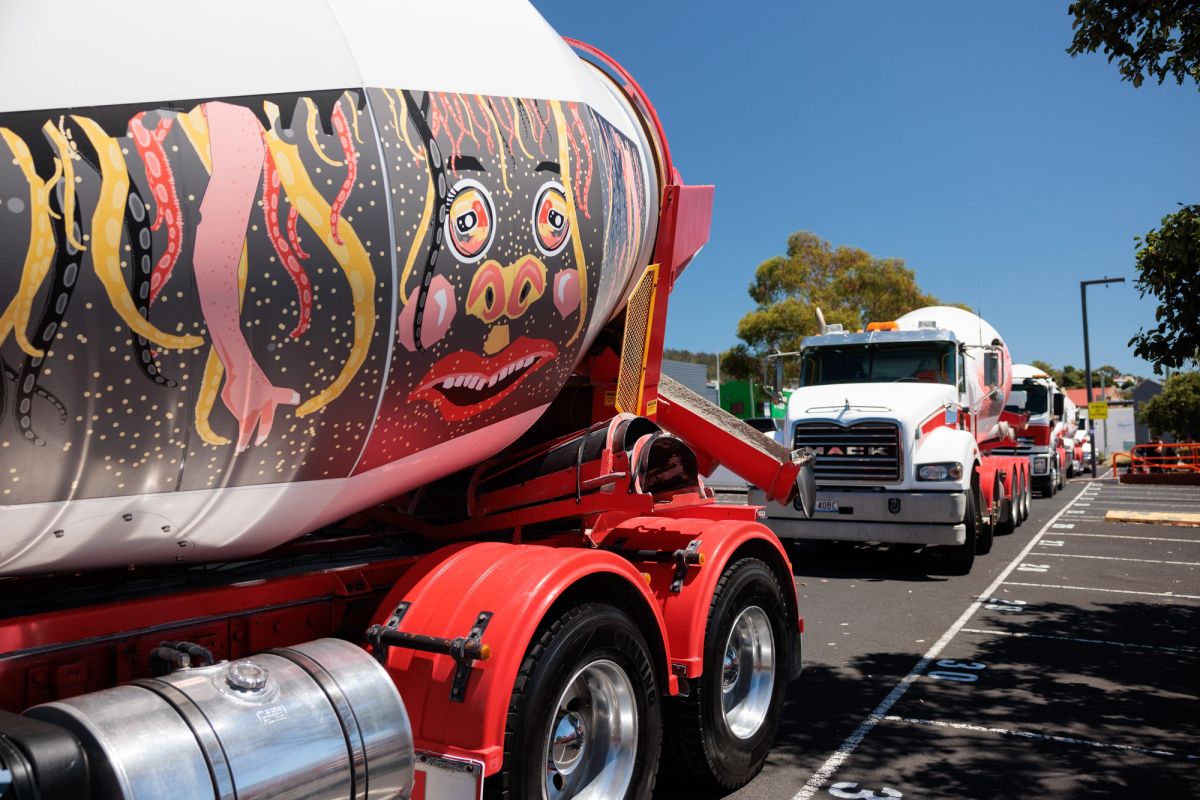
(686, 612)
(448, 589)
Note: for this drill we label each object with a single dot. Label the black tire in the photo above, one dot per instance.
(1053, 479)
(1008, 516)
(704, 752)
(960, 558)
(578, 638)
(987, 528)
(1022, 500)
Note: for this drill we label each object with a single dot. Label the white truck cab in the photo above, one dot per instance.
(895, 415)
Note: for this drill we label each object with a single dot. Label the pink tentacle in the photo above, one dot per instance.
(287, 256)
(159, 175)
(342, 129)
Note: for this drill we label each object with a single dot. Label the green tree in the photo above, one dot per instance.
(739, 364)
(1168, 264)
(1176, 409)
(1147, 38)
(848, 284)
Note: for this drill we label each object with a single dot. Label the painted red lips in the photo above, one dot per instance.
(463, 384)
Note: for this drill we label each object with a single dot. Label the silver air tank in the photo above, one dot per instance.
(318, 720)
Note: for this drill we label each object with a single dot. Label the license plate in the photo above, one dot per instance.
(829, 506)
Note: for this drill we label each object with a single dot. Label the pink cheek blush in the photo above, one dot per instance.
(566, 291)
(440, 309)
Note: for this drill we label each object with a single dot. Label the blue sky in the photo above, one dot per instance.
(957, 136)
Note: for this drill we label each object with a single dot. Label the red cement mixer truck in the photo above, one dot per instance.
(335, 457)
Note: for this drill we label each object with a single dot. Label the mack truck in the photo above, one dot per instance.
(335, 455)
(903, 418)
(1043, 422)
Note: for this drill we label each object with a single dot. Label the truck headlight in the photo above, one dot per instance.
(948, 471)
(1040, 464)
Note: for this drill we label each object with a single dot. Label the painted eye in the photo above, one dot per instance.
(469, 223)
(551, 225)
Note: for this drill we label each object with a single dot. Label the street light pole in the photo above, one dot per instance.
(1087, 359)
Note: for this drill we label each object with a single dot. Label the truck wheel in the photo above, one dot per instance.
(720, 734)
(1022, 498)
(585, 718)
(960, 558)
(1053, 480)
(1008, 515)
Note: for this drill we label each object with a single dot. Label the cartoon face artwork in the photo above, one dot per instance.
(525, 199)
(295, 287)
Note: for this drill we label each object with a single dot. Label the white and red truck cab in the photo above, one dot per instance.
(897, 416)
(1041, 417)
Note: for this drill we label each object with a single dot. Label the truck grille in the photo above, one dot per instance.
(867, 451)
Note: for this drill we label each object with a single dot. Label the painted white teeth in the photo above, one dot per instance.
(495, 377)
(448, 383)
(459, 379)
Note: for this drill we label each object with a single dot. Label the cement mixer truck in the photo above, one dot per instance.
(335, 456)
(902, 417)
(1044, 427)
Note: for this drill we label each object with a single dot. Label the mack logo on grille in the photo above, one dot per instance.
(854, 450)
(861, 452)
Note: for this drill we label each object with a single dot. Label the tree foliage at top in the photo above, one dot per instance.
(1168, 264)
(848, 284)
(1176, 409)
(1147, 38)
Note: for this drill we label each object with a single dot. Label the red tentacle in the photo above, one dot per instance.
(293, 234)
(153, 156)
(342, 128)
(287, 256)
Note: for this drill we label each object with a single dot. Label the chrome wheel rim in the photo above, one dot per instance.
(748, 672)
(591, 742)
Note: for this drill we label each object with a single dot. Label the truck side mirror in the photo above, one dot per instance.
(806, 490)
(1058, 405)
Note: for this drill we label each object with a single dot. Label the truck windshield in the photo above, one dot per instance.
(1029, 397)
(927, 362)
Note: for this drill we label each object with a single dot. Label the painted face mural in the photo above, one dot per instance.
(294, 287)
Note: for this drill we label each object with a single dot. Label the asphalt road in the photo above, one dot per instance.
(1067, 664)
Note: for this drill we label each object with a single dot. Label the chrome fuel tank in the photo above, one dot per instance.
(251, 282)
(319, 720)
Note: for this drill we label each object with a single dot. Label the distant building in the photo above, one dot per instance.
(1079, 396)
(693, 376)
(1142, 394)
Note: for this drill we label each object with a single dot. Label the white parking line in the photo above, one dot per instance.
(963, 726)
(835, 760)
(1181, 649)
(1121, 536)
(1110, 591)
(1117, 558)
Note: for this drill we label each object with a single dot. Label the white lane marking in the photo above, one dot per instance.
(819, 778)
(1045, 737)
(1117, 558)
(1063, 525)
(1120, 536)
(1109, 591)
(1182, 649)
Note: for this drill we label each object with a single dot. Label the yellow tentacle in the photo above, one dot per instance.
(351, 256)
(312, 134)
(106, 238)
(41, 248)
(576, 239)
(195, 127)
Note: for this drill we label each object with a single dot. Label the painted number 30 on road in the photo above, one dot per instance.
(850, 791)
